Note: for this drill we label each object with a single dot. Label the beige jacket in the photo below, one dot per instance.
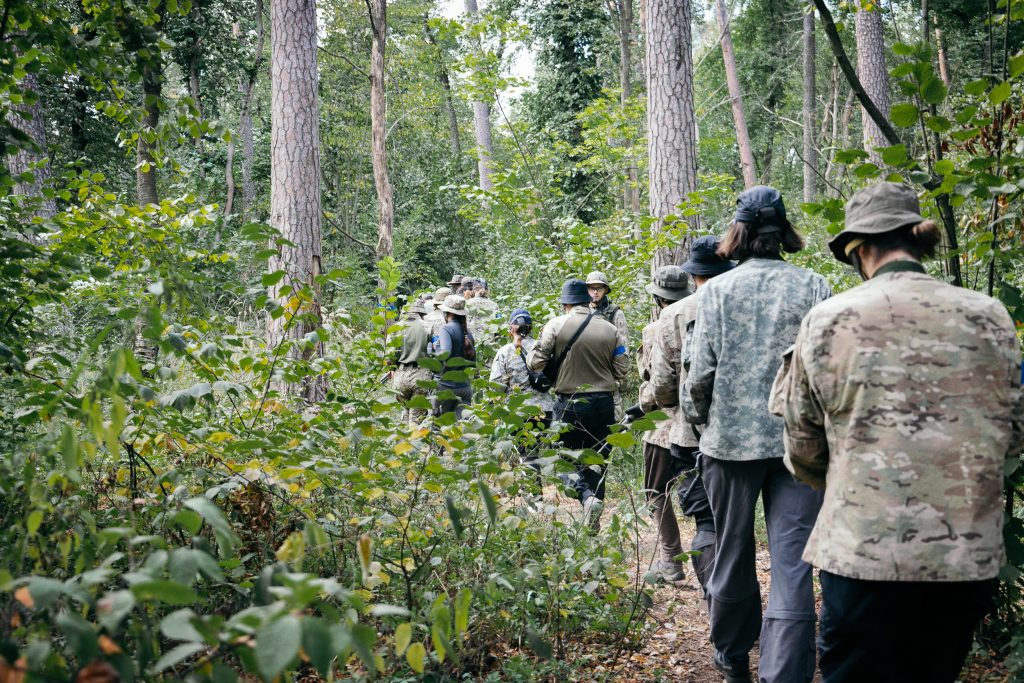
(667, 371)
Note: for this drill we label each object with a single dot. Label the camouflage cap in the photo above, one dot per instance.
(417, 307)
(454, 303)
(441, 294)
(596, 277)
(877, 209)
(456, 280)
(467, 282)
(670, 282)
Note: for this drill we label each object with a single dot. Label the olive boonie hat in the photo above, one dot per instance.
(874, 210)
(761, 206)
(456, 280)
(670, 282)
(704, 259)
(574, 292)
(441, 294)
(453, 303)
(598, 278)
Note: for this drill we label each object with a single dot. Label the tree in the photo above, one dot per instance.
(623, 11)
(31, 158)
(247, 87)
(295, 209)
(873, 76)
(481, 121)
(386, 204)
(671, 143)
(735, 97)
(809, 109)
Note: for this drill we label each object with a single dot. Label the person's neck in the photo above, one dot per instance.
(872, 263)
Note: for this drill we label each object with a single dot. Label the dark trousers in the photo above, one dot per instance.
(589, 417)
(889, 631)
(463, 397)
(734, 594)
(693, 497)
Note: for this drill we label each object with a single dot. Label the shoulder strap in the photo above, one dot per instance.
(579, 331)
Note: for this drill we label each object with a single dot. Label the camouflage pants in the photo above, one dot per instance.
(404, 382)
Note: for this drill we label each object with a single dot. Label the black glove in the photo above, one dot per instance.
(634, 412)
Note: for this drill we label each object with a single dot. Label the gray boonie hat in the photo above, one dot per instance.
(467, 282)
(441, 294)
(453, 303)
(669, 282)
(417, 307)
(874, 210)
(456, 280)
(574, 292)
(596, 277)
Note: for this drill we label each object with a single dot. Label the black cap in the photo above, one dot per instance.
(761, 206)
(574, 292)
(704, 258)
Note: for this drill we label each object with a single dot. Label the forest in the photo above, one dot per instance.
(213, 214)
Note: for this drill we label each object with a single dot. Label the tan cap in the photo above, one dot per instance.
(453, 303)
(441, 294)
(596, 277)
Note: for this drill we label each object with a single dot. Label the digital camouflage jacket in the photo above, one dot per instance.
(902, 398)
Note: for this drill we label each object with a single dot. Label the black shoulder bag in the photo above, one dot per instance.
(538, 380)
(552, 368)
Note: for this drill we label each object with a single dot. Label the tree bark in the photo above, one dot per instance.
(735, 97)
(247, 88)
(481, 123)
(623, 9)
(295, 205)
(940, 46)
(378, 128)
(31, 121)
(809, 109)
(874, 76)
(446, 94)
(145, 171)
(671, 125)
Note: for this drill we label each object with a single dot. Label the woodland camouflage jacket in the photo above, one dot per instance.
(746, 319)
(659, 436)
(902, 398)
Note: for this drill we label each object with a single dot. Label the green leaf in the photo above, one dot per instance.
(488, 498)
(277, 644)
(113, 607)
(904, 115)
(944, 167)
(403, 636)
(462, 601)
(363, 640)
(271, 279)
(895, 155)
(939, 124)
(416, 655)
(976, 87)
(933, 90)
(1017, 65)
(540, 646)
(455, 515)
(69, 447)
(226, 537)
(44, 591)
(176, 655)
(32, 522)
(999, 93)
(866, 170)
(80, 636)
(161, 590)
(178, 626)
(621, 440)
(316, 643)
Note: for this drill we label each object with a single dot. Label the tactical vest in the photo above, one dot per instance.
(608, 312)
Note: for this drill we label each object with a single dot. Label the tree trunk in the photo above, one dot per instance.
(940, 46)
(378, 128)
(671, 125)
(30, 120)
(247, 88)
(809, 114)
(735, 97)
(446, 94)
(295, 208)
(874, 77)
(145, 171)
(481, 123)
(623, 9)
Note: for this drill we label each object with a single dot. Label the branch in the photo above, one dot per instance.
(349, 235)
(851, 75)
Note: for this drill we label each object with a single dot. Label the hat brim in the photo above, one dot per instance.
(665, 293)
(893, 220)
(706, 269)
(453, 311)
(573, 301)
(598, 282)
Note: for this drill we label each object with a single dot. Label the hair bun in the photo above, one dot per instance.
(927, 236)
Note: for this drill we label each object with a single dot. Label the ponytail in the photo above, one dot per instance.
(468, 347)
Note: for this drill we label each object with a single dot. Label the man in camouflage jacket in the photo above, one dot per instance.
(901, 398)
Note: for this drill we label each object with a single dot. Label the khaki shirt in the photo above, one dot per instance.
(414, 341)
(659, 436)
(902, 398)
(596, 362)
(668, 372)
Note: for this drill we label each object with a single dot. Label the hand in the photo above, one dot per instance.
(516, 337)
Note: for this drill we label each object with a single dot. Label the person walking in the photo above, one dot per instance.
(902, 400)
(745, 319)
(484, 318)
(599, 288)
(589, 363)
(408, 375)
(670, 284)
(510, 372)
(455, 284)
(668, 374)
(458, 353)
(466, 288)
(435, 320)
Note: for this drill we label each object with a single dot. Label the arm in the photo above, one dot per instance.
(621, 330)
(620, 363)
(804, 435)
(643, 365)
(695, 394)
(499, 371)
(544, 349)
(665, 362)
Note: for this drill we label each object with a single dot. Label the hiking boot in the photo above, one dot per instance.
(670, 571)
(735, 670)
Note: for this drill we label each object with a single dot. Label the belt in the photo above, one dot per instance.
(585, 394)
(413, 364)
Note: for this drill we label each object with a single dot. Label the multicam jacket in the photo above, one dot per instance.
(434, 321)
(667, 371)
(484, 317)
(902, 398)
(650, 336)
(746, 319)
(509, 370)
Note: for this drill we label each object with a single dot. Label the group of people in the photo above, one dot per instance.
(872, 425)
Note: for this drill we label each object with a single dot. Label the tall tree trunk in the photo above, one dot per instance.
(810, 102)
(378, 127)
(481, 123)
(735, 97)
(873, 76)
(671, 142)
(940, 46)
(30, 120)
(295, 208)
(247, 88)
(145, 171)
(623, 9)
(446, 95)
